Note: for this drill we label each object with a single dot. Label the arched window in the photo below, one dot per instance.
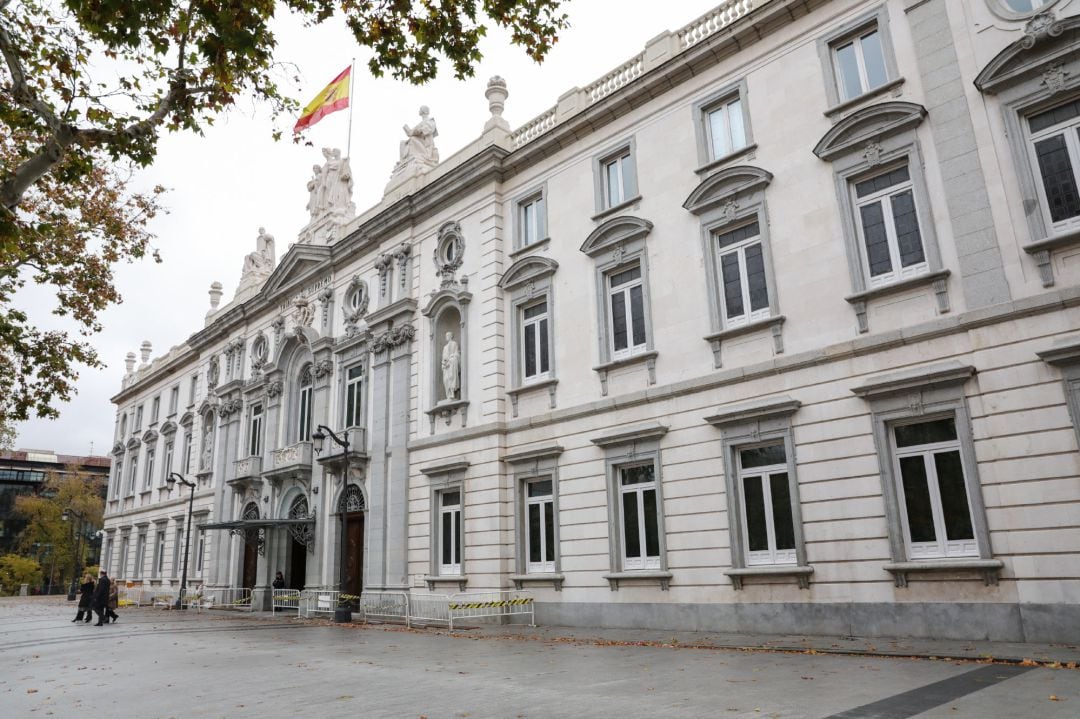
(303, 408)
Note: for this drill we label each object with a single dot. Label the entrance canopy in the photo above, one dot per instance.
(245, 524)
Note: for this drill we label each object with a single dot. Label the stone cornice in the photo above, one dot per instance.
(180, 361)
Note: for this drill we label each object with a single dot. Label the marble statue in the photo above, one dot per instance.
(330, 187)
(419, 144)
(207, 455)
(451, 367)
(261, 261)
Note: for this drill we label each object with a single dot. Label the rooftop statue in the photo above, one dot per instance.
(257, 265)
(419, 145)
(330, 188)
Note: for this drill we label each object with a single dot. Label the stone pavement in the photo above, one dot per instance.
(157, 663)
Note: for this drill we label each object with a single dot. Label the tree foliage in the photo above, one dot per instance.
(86, 88)
(16, 570)
(43, 514)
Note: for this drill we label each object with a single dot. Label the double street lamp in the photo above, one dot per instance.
(67, 515)
(319, 438)
(171, 480)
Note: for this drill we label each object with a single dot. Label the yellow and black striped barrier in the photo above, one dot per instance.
(492, 605)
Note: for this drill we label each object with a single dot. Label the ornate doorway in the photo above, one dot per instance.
(301, 541)
(251, 548)
(351, 507)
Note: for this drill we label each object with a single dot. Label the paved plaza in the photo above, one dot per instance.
(156, 663)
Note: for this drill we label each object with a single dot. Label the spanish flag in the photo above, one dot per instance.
(332, 98)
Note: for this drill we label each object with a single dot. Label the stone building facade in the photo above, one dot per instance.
(772, 328)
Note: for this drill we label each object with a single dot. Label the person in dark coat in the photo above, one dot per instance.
(86, 595)
(279, 581)
(100, 600)
(114, 602)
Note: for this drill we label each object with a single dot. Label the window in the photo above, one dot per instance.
(140, 555)
(528, 282)
(767, 522)
(626, 301)
(123, 425)
(741, 275)
(191, 389)
(639, 511)
(255, 431)
(167, 469)
(615, 177)
(174, 399)
(178, 545)
(617, 171)
(889, 227)
(1026, 5)
(159, 555)
(937, 516)
(635, 504)
(148, 477)
(186, 466)
(535, 342)
(1018, 9)
(133, 475)
(1055, 150)
(725, 127)
(622, 275)
(138, 418)
(303, 419)
(155, 409)
(929, 476)
(885, 206)
(106, 556)
(859, 63)
(540, 526)
(531, 219)
(200, 554)
(118, 478)
(354, 396)
(125, 543)
(450, 532)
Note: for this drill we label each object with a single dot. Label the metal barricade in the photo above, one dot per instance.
(484, 605)
(386, 606)
(428, 609)
(285, 599)
(237, 598)
(317, 601)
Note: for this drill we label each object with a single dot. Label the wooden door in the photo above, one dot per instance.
(354, 556)
(251, 565)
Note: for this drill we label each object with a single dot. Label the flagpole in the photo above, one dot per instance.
(348, 141)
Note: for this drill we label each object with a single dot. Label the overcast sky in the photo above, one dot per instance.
(225, 185)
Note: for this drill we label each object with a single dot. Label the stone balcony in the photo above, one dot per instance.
(247, 472)
(331, 455)
(292, 462)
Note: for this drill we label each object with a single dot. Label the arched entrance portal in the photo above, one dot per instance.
(300, 542)
(251, 549)
(351, 506)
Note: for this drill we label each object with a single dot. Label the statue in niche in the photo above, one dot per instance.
(315, 188)
(207, 455)
(419, 144)
(451, 367)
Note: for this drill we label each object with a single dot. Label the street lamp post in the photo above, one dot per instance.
(67, 516)
(340, 614)
(171, 480)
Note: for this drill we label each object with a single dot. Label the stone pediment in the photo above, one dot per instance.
(868, 125)
(527, 268)
(616, 230)
(724, 186)
(118, 448)
(188, 419)
(133, 444)
(1046, 43)
(168, 427)
(149, 436)
(299, 263)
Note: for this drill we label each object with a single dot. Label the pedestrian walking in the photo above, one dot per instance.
(279, 581)
(86, 598)
(100, 600)
(114, 602)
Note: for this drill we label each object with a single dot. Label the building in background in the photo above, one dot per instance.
(24, 472)
(771, 328)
